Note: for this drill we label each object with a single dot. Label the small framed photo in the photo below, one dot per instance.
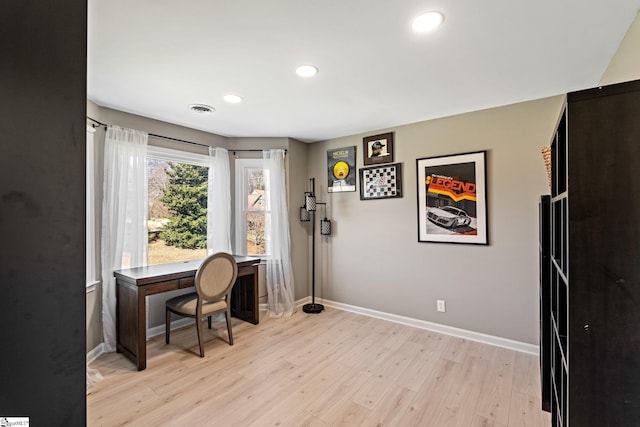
(378, 149)
(452, 199)
(381, 182)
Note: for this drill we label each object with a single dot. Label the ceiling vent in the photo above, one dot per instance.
(201, 108)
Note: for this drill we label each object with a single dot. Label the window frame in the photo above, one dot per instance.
(170, 155)
(241, 210)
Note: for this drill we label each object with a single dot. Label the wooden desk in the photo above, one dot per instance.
(134, 284)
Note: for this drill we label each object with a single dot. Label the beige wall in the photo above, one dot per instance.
(299, 231)
(374, 260)
(383, 267)
(625, 65)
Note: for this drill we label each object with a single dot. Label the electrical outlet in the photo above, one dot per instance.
(440, 305)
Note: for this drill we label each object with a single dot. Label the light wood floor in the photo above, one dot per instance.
(331, 369)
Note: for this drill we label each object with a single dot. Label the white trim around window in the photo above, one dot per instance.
(161, 153)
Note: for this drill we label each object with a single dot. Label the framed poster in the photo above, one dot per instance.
(452, 199)
(341, 169)
(381, 182)
(377, 149)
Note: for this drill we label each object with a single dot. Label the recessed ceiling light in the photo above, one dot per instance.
(306, 71)
(233, 99)
(426, 22)
(201, 108)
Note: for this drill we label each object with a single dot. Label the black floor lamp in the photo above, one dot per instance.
(308, 213)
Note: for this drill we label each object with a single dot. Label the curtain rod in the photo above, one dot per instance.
(99, 124)
(153, 134)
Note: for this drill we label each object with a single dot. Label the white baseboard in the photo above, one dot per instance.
(95, 353)
(416, 323)
(263, 308)
(431, 326)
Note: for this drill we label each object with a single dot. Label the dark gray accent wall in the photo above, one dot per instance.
(42, 210)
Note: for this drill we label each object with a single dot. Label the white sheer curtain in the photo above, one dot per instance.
(124, 215)
(279, 275)
(93, 376)
(218, 202)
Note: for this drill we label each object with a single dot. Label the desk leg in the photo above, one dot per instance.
(131, 323)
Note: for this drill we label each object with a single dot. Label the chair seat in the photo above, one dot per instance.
(186, 304)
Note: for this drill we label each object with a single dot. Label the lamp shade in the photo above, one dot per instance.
(325, 227)
(310, 202)
(304, 214)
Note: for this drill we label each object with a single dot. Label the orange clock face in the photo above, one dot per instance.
(341, 170)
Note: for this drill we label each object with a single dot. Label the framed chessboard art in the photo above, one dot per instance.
(381, 182)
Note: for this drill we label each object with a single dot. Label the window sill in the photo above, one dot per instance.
(91, 286)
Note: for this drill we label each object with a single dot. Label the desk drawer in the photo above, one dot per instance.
(156, 288)
(187, 282)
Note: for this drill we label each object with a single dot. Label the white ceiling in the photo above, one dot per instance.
(155, 57)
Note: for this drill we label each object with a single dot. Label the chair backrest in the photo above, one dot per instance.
(216, 276)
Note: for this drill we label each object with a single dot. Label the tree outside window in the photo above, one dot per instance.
(177, 211)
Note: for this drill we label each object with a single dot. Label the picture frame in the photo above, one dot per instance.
(341, 169)
(452, 199)
(377, 149)
(381, 182)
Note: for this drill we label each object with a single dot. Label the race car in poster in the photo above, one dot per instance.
(448, 216)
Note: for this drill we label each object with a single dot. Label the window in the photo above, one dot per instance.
(251, 206)
(177, 213)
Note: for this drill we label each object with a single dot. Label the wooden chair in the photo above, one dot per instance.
(213, 282)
